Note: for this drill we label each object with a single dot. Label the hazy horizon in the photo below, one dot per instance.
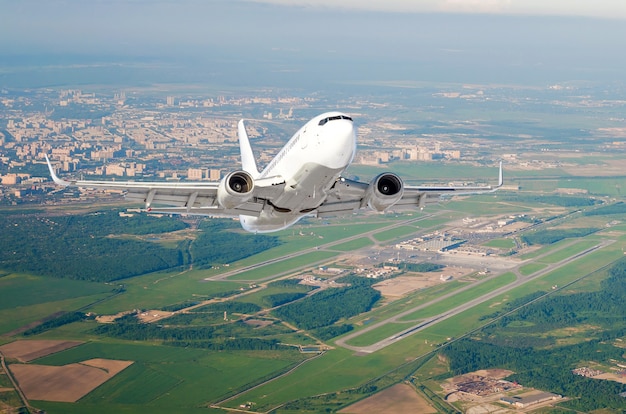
(247, 44)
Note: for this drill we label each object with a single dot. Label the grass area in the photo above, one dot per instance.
(544, 250)
(353, 245)
(401, 305)
(394, 233)
(603, 186)
(404, 322)
(158, 289)
(531, 268)
(25, 290)
(567, 251)
(432, 223)
(307, 237)
(20, 316)
(380, 333)
(462, 297)
(579, 267)
(289, 265)
(485, 205)
(588, 264)
(501, 243)
(28, 298)
(10, 398)
(333, 371)
(81, 408)
(258, 296)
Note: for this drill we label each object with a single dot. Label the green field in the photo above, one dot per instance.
(284, 266)
(462, 297)
(394, 233)
(156, 290)
(501, 243)
(380, 333)
(169, 377)
(406, 321)
(44, 289)
(353, 245)
(531, 268)
(400, 305)
(258, 297)
(27, 298)
(567, 252)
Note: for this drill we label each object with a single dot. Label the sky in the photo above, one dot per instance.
(294, 42)
(611, 9)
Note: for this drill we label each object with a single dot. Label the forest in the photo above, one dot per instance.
(549, 236)
(103, 246)
(616, 208)
(216, 244)
(415, 267)
(522, 342)
(63, 319)
(329, 306)
(545, 369)
(179, 332)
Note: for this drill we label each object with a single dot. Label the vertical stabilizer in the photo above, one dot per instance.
(248, 163)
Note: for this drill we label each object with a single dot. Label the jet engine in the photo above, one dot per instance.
(235, 189)
(384, 191)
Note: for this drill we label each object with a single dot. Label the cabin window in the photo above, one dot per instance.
(333, 118)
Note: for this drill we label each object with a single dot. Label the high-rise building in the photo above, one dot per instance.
(214, 175)
(195, 174)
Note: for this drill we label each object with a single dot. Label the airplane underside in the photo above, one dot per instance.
(303, 194)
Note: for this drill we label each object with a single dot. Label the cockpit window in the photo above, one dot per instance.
(333, 118)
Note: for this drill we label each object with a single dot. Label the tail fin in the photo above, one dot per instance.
(248, 163)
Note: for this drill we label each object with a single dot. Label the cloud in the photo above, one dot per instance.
(613, 9)
(475, 6)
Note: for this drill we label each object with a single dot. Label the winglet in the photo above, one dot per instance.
(55, 178)
(500, 177)
(248, 163)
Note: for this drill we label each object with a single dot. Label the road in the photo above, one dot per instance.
(20, 393)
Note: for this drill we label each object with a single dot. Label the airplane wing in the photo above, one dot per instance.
(347, 196)
(183, 197)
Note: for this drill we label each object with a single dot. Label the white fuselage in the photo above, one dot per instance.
(311, 161)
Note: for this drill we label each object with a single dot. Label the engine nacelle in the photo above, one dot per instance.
(235, 189)
(384, 191)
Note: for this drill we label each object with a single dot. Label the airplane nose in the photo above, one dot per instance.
(338, 141)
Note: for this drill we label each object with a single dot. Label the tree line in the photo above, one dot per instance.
(329, 306)
(100, 247)
(522, 342)
(550, 236)
(225, 336)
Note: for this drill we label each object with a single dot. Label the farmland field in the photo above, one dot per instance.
(170, 376)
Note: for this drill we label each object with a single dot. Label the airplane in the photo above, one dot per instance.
(304, 179)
